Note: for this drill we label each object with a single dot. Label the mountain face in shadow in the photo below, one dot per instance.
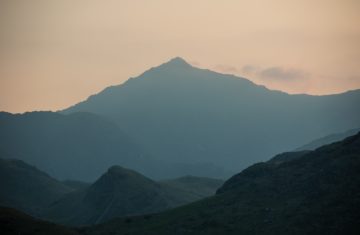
(183, 114)
(123, 192)
(314, 192)
(26, 188)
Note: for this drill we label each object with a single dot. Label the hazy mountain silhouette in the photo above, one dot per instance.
(81, 146)
(121, 192)
(314, 192)
(328, 140)
(188, 115)
(78, 146)
(26, 188)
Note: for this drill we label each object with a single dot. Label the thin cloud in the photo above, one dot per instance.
(279, 73)
(250, 69)
(226, 68)
(275, 73)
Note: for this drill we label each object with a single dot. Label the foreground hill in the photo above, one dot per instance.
(315, 192)
(26, 188)
(79, 146)
(13, 222)
(123, 192)
(184, 114)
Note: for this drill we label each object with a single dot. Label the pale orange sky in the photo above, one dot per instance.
(54, 53)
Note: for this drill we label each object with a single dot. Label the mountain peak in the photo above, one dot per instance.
(120, 172)
(177, 61)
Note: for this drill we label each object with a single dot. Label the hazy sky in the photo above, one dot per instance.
(54, 53)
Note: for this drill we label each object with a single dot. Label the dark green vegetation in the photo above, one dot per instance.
(26, 188)
(316, 192)
(180, 113)
(13, 222)
(328, 139)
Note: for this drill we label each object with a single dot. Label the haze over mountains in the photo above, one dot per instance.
(182, 114)
(79, 146)
(171, 121)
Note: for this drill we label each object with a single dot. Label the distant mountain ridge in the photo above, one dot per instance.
(328, 140)
(81, 146)
(184, 114)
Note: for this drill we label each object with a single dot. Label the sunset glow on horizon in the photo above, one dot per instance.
(54, 54)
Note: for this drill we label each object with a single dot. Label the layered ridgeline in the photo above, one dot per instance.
(123, 192)
(328, 140)
(26, 188)
(81, 146)
(116, 193)
(309, 192)
(184, 114)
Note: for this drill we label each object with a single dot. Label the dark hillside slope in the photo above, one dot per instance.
(26, 188)
(312, 193)
(13, 222)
